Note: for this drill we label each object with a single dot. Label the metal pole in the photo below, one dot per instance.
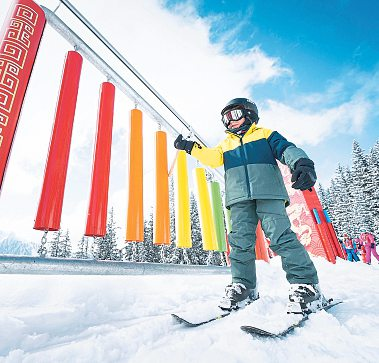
(129, 66)
(66, 266)
(56, 23)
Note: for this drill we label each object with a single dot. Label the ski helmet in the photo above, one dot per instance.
(249, 107)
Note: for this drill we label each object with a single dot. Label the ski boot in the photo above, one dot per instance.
(237, 295)
(305, 299)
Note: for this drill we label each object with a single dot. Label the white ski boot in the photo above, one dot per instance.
(305, 299)
(237, 295)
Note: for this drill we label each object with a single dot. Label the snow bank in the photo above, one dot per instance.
(127, 319)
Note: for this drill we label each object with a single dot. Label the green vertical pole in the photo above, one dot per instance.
(218, 216)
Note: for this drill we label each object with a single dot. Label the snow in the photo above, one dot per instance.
(65, 318)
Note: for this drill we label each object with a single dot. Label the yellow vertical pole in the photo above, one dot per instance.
(162, 209)
(182, 203)
(134, 221)
(208, 229)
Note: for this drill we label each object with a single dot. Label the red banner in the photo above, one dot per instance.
(20, 38)
(310, 232)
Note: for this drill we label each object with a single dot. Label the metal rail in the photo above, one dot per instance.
(83, 48)
(60, 266)
(122, 59)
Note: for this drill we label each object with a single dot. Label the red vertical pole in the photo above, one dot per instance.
(98, 205)
(134, 221)
(19, 42)
(50, 205)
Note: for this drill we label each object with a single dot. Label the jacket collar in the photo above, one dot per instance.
(251, 129)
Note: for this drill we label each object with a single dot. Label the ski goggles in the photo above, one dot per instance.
(232, 115)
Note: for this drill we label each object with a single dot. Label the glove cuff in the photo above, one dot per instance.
(189, 146)
(304, 162)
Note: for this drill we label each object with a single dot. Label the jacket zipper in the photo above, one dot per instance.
(244, 156)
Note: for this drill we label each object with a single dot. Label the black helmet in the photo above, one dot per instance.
(249, 107)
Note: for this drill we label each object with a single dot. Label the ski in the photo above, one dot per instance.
(192, 324)
(202, 315)
(256, 331)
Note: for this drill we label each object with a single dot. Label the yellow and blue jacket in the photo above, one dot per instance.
(251, 169)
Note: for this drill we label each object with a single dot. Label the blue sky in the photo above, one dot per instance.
(326, 45)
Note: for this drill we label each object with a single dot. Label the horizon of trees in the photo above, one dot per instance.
(106, 248)
(352, 199)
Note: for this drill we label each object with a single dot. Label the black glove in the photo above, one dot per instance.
(183, 144)
(304, 174)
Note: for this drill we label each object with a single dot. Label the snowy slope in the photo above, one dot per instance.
(127, 319)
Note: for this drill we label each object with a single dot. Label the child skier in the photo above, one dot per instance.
(368, 242)
(350, 248)
(254, 190)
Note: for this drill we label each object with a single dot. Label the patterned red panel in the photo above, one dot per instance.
(19, 40)
(301, 217)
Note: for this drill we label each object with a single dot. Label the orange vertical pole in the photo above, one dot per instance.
(20, 37)
(134, 220)
(50, 205)
(98, 205)
(162, 209)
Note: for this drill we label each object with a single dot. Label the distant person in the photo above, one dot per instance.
(255, 191)
(368, 241)
(350, 248)
(359, 248)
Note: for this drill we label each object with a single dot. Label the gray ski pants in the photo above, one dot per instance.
(276, 225)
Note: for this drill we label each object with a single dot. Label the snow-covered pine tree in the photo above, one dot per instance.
(374, 176)
(82, 252)
(343, 208)
(148, 251)
(333, 206)
(55, 244)
(196, 254)
(106, 247)
(324, 196)
(173, 253)
(363, 189)
(65, 246)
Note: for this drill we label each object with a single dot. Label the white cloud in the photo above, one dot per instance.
(312, 122)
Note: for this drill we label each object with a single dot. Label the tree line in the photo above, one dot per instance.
(106, 248)
(352, 198)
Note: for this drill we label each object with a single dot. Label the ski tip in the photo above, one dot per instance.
(258, 332)
(182, 321)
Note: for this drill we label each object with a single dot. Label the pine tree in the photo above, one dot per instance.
(324, 196)
(173, 253)
(363, 189)
(374, 176)
(148, 251)
(55, 244)
(83, 248)
(333, 206)
(106, 247)
(65, 246)
(196, 253)
(344, 201)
